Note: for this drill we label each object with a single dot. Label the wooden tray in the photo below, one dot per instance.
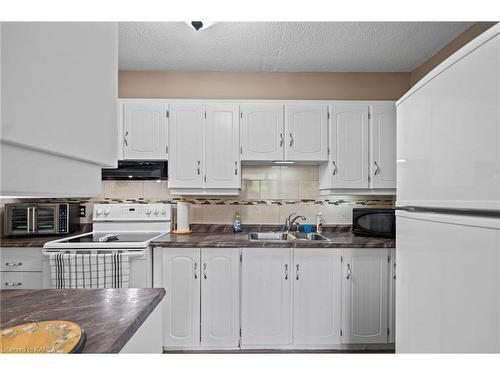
(49, 336)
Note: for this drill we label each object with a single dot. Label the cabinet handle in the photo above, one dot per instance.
(281, 139)
(10, 264)
(297, 272)
(348, 271)
(377, 169)
(334, 171)
(195, 270)
(286, 271)
(205, 271)
(198, 168)
(9, 283)
(125, 138)
(394, 274)
(291, 139)
(235, 168)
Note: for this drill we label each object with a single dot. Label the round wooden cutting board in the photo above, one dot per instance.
(50, 336)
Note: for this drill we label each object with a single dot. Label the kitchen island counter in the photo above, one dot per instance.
(109, 317)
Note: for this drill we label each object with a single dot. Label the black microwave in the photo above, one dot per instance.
(374, 222)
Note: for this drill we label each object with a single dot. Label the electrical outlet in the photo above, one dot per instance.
(83, 211)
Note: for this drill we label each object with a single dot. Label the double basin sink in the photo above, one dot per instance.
(286, 236)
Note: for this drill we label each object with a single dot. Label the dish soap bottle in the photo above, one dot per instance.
(319, 223)
(237, 223)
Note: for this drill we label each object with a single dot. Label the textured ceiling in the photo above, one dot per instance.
(283, 46)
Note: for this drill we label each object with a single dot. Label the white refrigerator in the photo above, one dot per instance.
(448, 200)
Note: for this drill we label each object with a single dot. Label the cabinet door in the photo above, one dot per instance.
(265, 300)
(262, 132)
(383, 146)
(222, 147)
(365, 296)
(185, 163)
(317, 275)
(392, 297)
(20, 280)
(220, 286)
(306, 132)
(348, 164)
(145, 130)
(181, 278)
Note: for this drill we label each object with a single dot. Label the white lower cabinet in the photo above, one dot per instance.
(265, 297)
(317, 287)
(220, 298)
(181, 279)
(365, 293)
(392, 298)
(275, 298)
(21, 268)
(201, 307)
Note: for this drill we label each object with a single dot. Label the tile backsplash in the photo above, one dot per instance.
(269, 193)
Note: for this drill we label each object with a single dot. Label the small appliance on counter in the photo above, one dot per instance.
(34, 219)
(374, 222)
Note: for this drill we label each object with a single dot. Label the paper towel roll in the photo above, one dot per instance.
(182, 217)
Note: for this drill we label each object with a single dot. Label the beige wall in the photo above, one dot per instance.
(223, 85)
(457, 43)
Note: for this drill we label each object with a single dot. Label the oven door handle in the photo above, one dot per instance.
(130, 253)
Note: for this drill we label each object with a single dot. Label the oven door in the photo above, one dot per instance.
(46, 218)
(375, 224)
(19, 220)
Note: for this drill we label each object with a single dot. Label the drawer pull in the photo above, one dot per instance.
(11, 264)
(9, 283)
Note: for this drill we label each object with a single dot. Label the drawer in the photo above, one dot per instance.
(21, 280)
(21, 259)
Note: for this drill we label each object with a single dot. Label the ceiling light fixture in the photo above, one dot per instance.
(198, 25)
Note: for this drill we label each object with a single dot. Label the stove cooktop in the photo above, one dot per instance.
(104, 240)
(113, 237)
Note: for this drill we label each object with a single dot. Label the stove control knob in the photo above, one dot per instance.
(98, 211)
(106, 211)
(147, 211)
(163, 211)
(156, 211)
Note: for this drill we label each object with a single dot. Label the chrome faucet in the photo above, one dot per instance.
(289, 222)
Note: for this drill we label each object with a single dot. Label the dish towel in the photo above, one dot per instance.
(70, 270)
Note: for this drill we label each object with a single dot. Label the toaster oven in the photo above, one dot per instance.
(29, 219)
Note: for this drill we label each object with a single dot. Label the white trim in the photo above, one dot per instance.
(256, 101)
(203, 191)
(454, 58)
(337, 192)
(466, 205)
(464, 220)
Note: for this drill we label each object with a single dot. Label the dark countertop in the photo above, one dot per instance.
(340, 237)
(214, 235)
(110, 317)
(39, 241)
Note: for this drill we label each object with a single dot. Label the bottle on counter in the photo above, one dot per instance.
(237, 223)
(319, 222)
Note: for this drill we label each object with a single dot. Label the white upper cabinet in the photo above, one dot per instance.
(365, 296)
(383, 146)
(266, 297)
(181, 307)
(220, 298)
(317, 278)
(306, 132)
(262, 132)
(348, 164)
(145, 130)
(185, 165)
(222, 148)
